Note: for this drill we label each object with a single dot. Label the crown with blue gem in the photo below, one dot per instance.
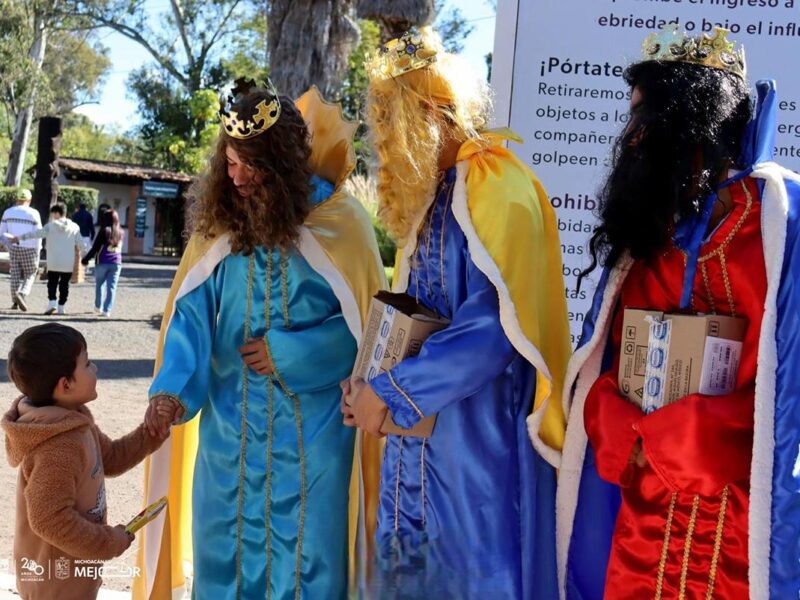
(713, 51)
(264, 114)
(396, 57)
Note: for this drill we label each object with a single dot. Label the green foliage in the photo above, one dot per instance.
(363, 189)
(452, 26)
(354, 88)
(247, 50)
(84, 139)
(8, 196)
(386, 246)
(177, 128)
(72, 196)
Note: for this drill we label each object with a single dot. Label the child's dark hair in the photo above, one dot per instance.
(42, 355)
(58, 209)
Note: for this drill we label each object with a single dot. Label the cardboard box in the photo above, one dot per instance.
(665, 357)
(396, 328)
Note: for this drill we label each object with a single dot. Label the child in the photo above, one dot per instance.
(63, 458)
(62, 236)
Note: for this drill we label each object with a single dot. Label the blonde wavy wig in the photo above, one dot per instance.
(410, 117)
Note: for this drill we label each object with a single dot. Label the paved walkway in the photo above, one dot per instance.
(123, 346)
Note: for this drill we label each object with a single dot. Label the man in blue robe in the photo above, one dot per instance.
(469, 511)
(260, 327)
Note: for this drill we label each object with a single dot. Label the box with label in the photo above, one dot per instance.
(396, 328)
(665, 357)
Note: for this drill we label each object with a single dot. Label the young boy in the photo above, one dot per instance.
(63, 458)
(62, 236)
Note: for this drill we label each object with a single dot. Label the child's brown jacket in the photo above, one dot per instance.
(61, 499)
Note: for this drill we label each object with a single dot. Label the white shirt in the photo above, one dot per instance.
(16, 222)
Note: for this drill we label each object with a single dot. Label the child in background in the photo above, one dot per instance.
(62, 236)
(63, 458)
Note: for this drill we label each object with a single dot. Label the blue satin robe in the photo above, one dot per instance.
(289, 496)
(469, 512)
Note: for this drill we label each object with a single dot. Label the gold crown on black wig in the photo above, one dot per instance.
(716, 52)
(401, 55)
(266, 112)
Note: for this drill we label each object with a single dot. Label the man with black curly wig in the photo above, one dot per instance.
(261, 324)
(698, 498)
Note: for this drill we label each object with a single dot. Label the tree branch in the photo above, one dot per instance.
(134, 35)
(180, 23)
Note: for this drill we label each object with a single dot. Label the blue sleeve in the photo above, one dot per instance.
(454, 363)
(186, 357)
(315, 358)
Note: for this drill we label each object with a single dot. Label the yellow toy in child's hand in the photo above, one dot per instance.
(147, 515)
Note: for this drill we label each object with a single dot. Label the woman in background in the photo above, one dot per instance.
(108, 247)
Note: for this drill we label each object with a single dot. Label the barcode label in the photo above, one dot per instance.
(720, 366)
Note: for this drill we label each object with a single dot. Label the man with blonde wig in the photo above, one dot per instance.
(467, 512)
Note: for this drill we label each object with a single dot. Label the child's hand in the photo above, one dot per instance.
(162, 412)
(125, 539)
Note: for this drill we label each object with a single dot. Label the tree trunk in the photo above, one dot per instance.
(397, 16)
(45, 186)
(22, 129)
(310, 42)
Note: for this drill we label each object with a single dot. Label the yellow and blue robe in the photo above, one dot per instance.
(470, 511)
(268, 450)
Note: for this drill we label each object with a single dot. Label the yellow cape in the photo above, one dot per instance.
(512, 234)
(349, 260)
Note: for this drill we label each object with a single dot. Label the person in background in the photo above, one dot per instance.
(83, 218)
(108, 248)
(62, 237)
(24, 257)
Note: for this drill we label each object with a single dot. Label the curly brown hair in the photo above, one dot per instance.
(272, 215)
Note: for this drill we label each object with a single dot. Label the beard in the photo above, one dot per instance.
(408, 151)
(652, 183)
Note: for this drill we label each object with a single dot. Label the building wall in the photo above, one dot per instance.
(122, 198)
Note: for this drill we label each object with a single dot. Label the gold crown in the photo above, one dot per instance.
(716, 52)
(401, 55)
(264, 115)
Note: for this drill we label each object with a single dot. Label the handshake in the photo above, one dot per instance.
(161, 414)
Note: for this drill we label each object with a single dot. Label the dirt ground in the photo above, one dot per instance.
(123, 347)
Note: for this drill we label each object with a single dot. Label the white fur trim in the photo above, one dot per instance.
(313, 252)
(508, 312)
(774, 211)
(584, 366)
(161, 459)
(400, 279)
(203, 269)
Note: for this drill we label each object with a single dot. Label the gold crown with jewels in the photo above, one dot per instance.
(265, 113)
(407, 53)
(716, 52)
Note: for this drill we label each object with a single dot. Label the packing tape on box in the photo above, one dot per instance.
(378, 351)
(655, 377)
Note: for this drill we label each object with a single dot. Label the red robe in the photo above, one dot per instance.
(696, 483)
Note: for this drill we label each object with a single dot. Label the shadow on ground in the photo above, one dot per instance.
(108, 368)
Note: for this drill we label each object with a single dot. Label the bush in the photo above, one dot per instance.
(8, 197)
(363, 189)
(72, 196)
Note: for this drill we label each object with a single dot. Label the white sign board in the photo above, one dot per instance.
(557, 74)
